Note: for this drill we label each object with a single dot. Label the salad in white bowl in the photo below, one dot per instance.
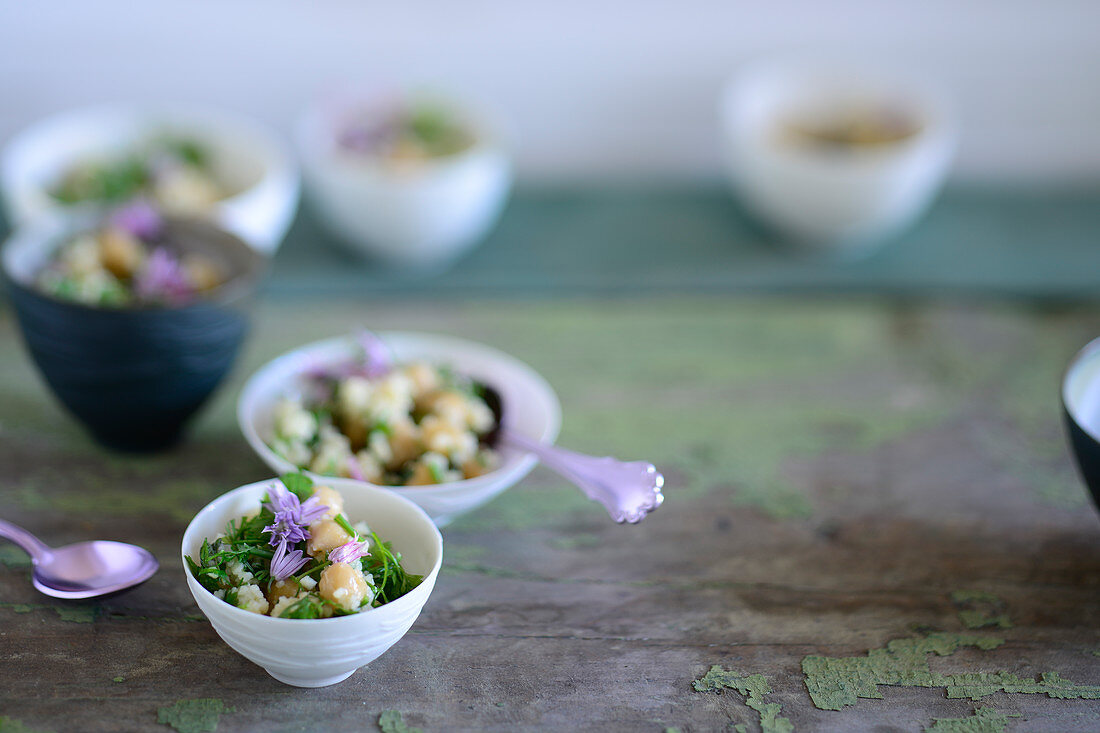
(412, 182)
(414, 417)
(186, 160)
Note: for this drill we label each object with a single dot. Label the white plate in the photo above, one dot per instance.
(530, 408)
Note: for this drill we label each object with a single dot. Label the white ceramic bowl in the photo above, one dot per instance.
(530, 408)
(247, 157)
(320, 652)
(846, 200)
(421, 216)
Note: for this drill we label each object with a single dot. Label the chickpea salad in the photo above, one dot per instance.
(175, 172)
(413, 424)
(298, 556)
(413, 132)
(127, 261)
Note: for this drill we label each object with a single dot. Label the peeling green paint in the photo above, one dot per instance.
(801, 383)
(980, 609)
(391, 721)
(19, 607)
(984, 720)
(1051, 684)
(115, 494)
(75, 614)
(14, 725)
(576, 541)
(78, 614)
(118, 679)
(198, 715)
(14, 557)
(838, 682)
(754, 688)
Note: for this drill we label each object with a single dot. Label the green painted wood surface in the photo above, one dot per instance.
(1015, 242)
(841, 473)
(1033, 243)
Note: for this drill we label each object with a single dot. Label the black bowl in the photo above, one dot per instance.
(133, 376)
(1081, 413)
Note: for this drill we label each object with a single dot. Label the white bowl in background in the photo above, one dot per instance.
(846, 200)
(320, 652)
(530, 408)
(423, 215)
(247, 157)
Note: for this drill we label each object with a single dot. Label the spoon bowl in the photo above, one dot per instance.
(83, 569)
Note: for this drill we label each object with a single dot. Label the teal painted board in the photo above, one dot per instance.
(694, 239)
(609, 241)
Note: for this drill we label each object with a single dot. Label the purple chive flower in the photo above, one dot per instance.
(377, 357)
(354, 469)
(349, 551)
(376, 361)
(138, 218)
(162, 279)
(292, 516)
(285, 562)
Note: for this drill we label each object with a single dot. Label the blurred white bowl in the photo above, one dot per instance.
(320, 652)
(247, 157)
(845, 199)
(530, 408)
(422, 215)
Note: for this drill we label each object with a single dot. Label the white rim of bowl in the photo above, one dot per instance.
(278, 164)
(1071, 406)
(924, 95)
(409, 599)
(526, 461)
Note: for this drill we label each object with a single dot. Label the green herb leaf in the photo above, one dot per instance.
(298, 484)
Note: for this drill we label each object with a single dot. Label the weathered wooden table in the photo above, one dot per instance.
(871, 520)
(844, 478)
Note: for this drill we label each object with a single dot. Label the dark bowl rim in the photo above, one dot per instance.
(227, 293)
(1088, 350)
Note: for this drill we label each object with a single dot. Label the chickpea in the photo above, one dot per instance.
(331, 498)
(203, 273)
(120, 252)
(421, 476)
(474, 468)
(325, 535)
(355, 428)
(450, 406)
(424, 378)
(281, 589)
(405, 443)
(343, 585)
(446, 438)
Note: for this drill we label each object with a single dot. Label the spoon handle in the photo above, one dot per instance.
(629, 491)
(34, 546)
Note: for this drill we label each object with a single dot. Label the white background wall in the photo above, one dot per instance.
(594, 89)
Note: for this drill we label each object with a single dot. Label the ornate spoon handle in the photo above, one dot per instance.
(629, 491)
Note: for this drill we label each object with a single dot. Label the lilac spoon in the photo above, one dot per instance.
(628, 491)
(84, 569)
